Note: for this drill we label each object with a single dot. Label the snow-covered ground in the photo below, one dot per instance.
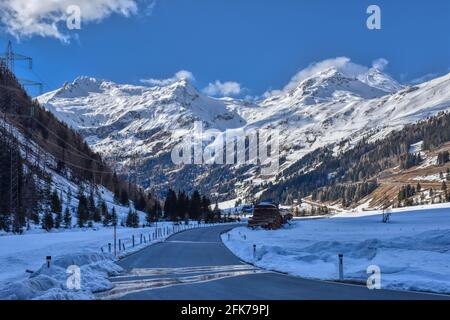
(19, 253)
(412, 250)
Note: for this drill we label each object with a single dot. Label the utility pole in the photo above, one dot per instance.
(9, 58)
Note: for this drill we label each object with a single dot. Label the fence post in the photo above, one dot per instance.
(341, 267)
(120, 245)
(141, 238)
(254, 251)
(123, 244)
(109, 247)
(133, 239)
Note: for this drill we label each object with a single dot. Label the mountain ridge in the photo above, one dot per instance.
(126, 120)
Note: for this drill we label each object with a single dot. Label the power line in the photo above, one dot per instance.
(9, 59)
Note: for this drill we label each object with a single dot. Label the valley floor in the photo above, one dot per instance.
(412, 250)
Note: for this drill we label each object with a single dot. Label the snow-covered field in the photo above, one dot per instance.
(19, 253)
(412, 250)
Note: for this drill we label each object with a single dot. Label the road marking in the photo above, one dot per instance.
(199, 242)
(125, 287)
(184, 270)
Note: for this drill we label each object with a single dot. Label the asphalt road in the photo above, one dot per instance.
(196, 265)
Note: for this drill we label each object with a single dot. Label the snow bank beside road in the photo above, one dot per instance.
(51, 283)
(19, 253)
(412, 251)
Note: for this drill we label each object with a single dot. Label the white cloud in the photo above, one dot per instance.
(380, 64)
(47, 18)
(180, 75)
(343, 64)
(218, 88)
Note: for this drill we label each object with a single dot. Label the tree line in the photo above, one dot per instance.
(180, 206)
(361, 163)
(73, 159)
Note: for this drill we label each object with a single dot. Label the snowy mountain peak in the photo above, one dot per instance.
(377, 79)
(81, 86)
(182, 87)
(332, 84)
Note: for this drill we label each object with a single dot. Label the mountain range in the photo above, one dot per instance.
(132, 126)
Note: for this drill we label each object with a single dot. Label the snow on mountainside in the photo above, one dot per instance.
(330, 106)
(121, 120)
(377, 79)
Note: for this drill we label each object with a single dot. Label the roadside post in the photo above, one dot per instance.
(109, 247)
(115, 239)
(49, 259)
(133, 239)
(254, 251)
(341, 267)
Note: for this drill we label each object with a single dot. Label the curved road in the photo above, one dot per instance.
(196, 265)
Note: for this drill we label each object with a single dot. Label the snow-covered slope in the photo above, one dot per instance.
(124, 120)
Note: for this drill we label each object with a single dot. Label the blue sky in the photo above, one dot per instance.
(260, 44)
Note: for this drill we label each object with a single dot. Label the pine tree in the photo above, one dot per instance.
(205, 211)
(195, 206)
(124, 197)
(132, 220)
(217, 212)
(58, 220)
(67, 219)
(5, 178)
(114, 218)
(47, 221)
(182, 206)
(56, 208)
(91, 207)
(157, 210)
(140, 203)
(102, 211)
(99, 211)
(69, 196)
(106, 219)
(82, 210)
(150, 215)
(170, 205)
